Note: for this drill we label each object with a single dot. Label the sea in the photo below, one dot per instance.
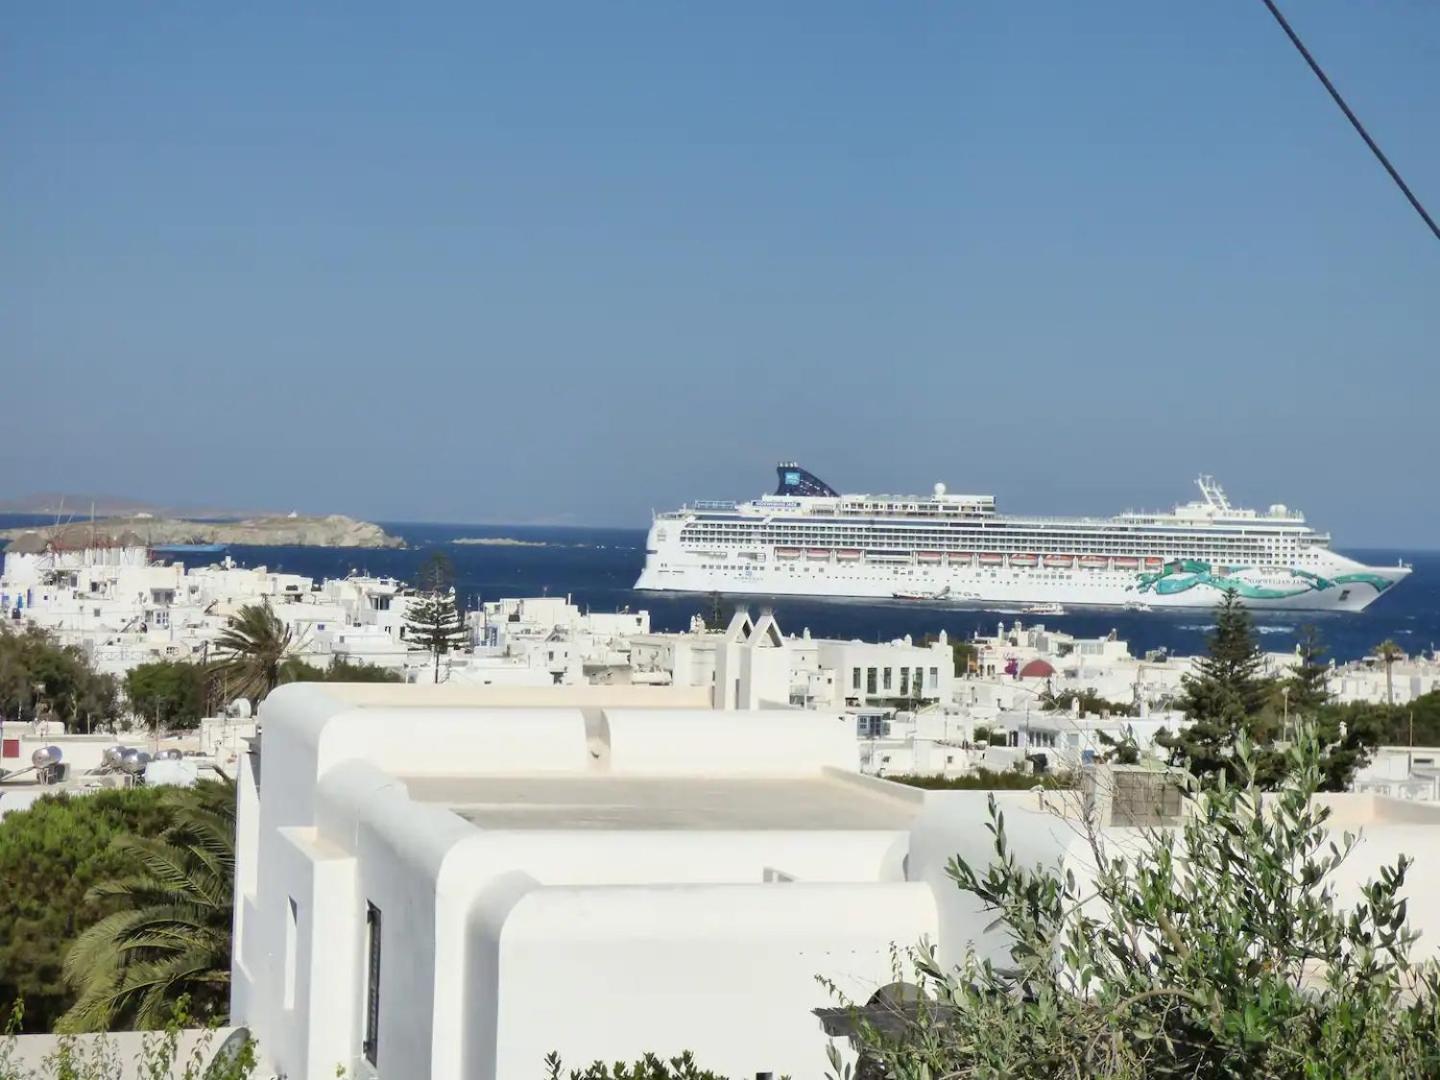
(596, 568)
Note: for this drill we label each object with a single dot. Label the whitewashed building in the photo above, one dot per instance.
(450, 882)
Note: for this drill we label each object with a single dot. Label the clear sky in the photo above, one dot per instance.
(566, 263)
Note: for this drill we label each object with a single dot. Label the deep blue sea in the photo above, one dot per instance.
(596, 568)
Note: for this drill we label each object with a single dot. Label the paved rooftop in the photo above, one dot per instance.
(610, 802)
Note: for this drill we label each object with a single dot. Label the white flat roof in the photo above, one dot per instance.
(828, 803)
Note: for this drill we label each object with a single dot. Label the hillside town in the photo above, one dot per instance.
(1024, 698)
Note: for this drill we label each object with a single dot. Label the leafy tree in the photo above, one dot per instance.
(40, 678)
(432, 622)
(170, 937)
(1217, 949)
(168, 693)
(51, 853)
(252, 651)
(1387, 652)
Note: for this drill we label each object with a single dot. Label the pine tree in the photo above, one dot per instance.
(433, 622)
(1225, 697)
(1308, 682)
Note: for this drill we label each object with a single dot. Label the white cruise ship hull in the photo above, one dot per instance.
(1004, 586)
(809, 540)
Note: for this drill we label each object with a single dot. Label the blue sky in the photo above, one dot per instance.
(566, 263)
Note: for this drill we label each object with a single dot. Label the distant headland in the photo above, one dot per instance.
(331, 530)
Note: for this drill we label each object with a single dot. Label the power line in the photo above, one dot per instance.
(1354, 120)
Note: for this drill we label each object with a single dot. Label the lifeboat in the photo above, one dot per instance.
(1094, 562)
(1024, 560)
(1059, 560)
(1154, 562)
(961, 558)
(927, 556)
(1126, 562)
(988, 558)
(787, 553)
(818, 554)
(848, 554)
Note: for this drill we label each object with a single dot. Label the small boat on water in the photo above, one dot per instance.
(1137, 605)
(1042, 609)
(916, 595)
(189, 549)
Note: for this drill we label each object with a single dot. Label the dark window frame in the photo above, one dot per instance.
(371, 1045)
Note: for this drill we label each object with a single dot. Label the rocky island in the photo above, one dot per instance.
(331, 530)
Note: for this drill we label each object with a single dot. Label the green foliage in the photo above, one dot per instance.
(340, 670)
(168, 940)
(1229, 699)
(1308, 681)
(433, 622)
(649, 1067)
(987, 780)
(1214, 950)
(1090, 702)
(964, 653)
(159, 1057)
(168, 694)
(51, 854)
(40, 678)
(1387, 652)
(252, 651)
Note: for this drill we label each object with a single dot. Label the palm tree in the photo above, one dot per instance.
(1387, 652)
(171, 937)
(252, 650)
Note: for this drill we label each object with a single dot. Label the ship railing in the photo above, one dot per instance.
(711, 504)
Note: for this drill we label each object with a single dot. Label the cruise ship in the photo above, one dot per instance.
(807, 539)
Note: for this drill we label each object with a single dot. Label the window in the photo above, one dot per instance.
(888, 674)
(870, 680)
(371, 1046)
(854, 676)
(934, 676)
(904, 681)
(292, 932)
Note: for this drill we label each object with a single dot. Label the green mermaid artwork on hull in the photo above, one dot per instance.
(1182, 575)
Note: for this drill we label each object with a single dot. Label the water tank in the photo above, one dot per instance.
(134, 762)
(173, 754)
(239, 709)
(113, 757)
(46, 756)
